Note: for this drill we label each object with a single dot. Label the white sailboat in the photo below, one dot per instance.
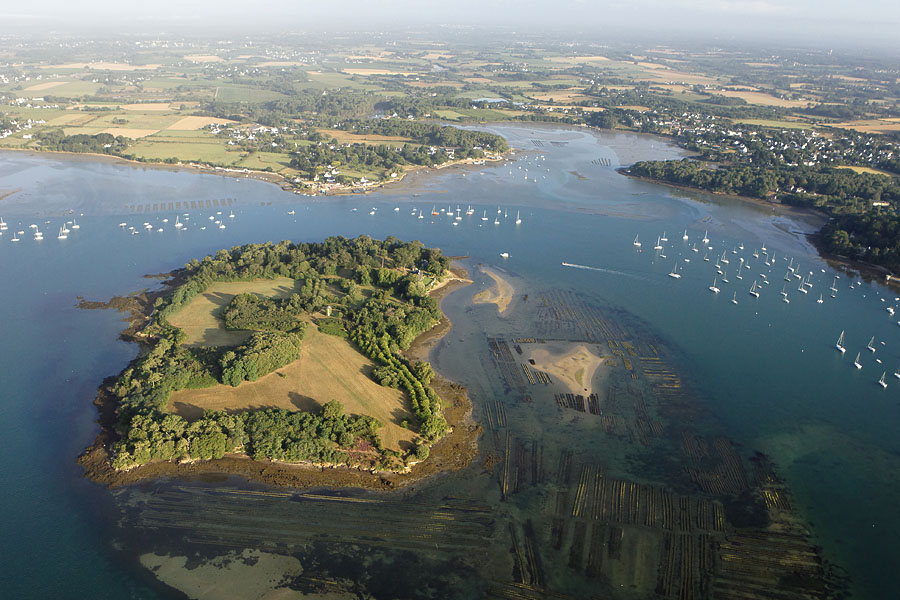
(706, 257)
(664, 238)
(75, 225)
(856, 362)
(658, 246)
(840, 344)
(231, 214)
(421, 216)
(820, 300)
(470, 211)
(725, 277)
(636, 243)
(685, 236)
(675, 274)
(484, 216)
(518, 219)
(869, 346)
(897, 373)
(734, 298)
(705, 237)
(62, 234)
(179, 224)
(714, 288)
(881, 381)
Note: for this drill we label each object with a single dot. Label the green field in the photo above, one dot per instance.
(241, 93)
(202, 321)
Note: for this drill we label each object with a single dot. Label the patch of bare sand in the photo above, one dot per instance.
(246, 575)
(575, 366)
(501, 293)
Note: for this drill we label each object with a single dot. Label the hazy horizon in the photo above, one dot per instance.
(823, 23)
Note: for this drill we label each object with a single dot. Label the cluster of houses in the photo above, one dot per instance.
(788, 146)
(11, 127)
(260, 137)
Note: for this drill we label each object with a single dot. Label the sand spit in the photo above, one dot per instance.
(501, 293)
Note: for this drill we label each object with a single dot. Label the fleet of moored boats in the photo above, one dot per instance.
(804, 281)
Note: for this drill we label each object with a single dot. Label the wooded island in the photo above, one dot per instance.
(369, 294)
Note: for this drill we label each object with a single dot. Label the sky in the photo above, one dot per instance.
(838, 21)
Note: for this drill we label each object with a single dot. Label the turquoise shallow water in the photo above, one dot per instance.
(765, 369)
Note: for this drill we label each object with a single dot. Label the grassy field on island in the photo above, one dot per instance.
(329, 368)
(202, 320)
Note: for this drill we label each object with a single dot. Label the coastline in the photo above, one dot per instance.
(812, 217)
(453, 452)
(307, 188)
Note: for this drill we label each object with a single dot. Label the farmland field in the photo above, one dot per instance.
(201, 320)
(329, 368)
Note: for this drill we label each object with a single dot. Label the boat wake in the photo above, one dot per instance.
(602, 270)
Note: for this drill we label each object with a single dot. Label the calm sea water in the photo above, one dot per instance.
(765, 369)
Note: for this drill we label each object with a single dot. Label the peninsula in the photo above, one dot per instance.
(280, 362)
